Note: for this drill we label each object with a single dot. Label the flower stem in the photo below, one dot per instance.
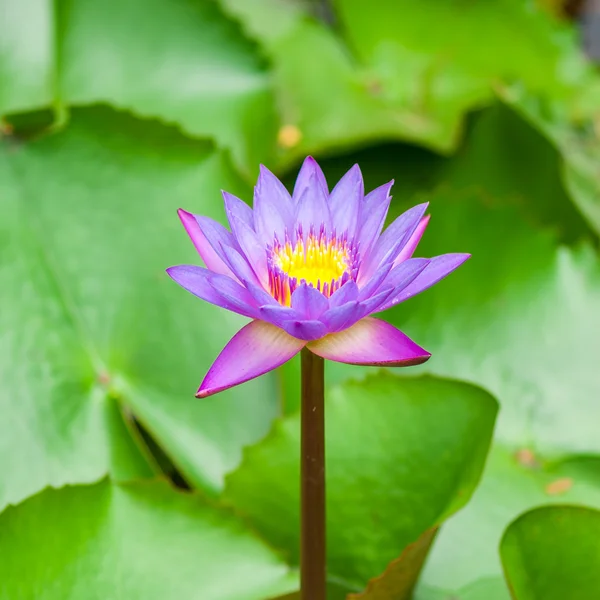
(312, 539)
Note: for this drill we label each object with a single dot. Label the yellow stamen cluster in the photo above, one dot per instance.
(319, 261)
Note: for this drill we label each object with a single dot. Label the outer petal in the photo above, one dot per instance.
(345, 202)
(374, 211)
(257, 348)
(413, 242)
(370, 342)
(309, 169)
(216, 289)
(437, 269)
(205, 250)
(393, 240)
(309, 301)
(273, 209)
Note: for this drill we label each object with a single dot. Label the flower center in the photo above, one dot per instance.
(320, 260)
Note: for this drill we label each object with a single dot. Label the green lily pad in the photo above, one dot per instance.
(132, 541)
(90, 321)
(402, 455)
(186, 64)
(552, 553)
(518, 318)
(466, 552)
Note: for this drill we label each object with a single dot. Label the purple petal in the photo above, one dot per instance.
(342, 316)
(375, 282)
(393, 240)
(254, 350)
(305, 329)
(237, 211)
(239, 265)
(309, 301)
(278, 315)
(399, 277)
(348, 292)
(345, 201)
(374, 211)
(205, 250)
(413, 242)
(260, 296)
(312, 209)
(370, 342)
(309, 169)
(214, 288)
(374, 302)
(240, 217)
(437, 269)
(273, 209)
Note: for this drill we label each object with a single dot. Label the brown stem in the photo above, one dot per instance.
(312, 539)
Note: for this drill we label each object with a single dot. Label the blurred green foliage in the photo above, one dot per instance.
(114, 114)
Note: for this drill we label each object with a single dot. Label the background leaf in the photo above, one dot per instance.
(131, 542)
(552, 553)
(90, 316)
(386, 485)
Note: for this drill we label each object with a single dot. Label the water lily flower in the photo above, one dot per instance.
(309, 269)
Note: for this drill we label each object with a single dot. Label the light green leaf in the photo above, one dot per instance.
(402, 455)
(186, 64)
(137, 541)
(518, 318)
(89, 315)
(552, 553)
(465, 553)
(576, 138)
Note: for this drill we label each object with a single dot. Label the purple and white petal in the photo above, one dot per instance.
(201, 282)
(413, 242)
(374, 210)
(309, 301)
(205, 250)
(345, 202)
(305, 329)
(257, 348)
(392, 241)
(309, 169)
(273, 208)
(370, 342)
(436, 270)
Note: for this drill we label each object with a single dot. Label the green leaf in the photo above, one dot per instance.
(186, 64)
(89, 315)
(465, 554)
(379, 78)
(132, 541)
(402, 455)
(576, 138)
(518, 318)
(552, 553)
(399, 579)
(521, 41)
